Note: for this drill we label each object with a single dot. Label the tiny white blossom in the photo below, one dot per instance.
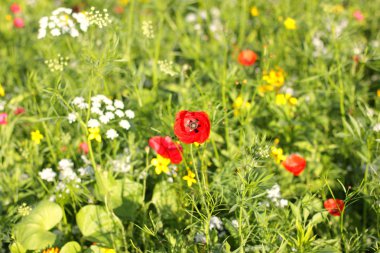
(125, 124)
(118, 104)
(376, 127)
(119, 113)
(110, 108)
(47, 174)
(65, 164)
(216, 223)
(110, 115)
(235, 223)
(92, 123)
(72, 117)
(104, 119)
(130, 114)
(112, 134)
(96, 110)
(283, 203)
(78, 100)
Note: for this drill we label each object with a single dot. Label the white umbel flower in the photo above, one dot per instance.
(92, 123)
(125, 124)
(129, 114)
(376, 127)
(47, 174)
(72, 117)
(119, 113)
(112, 134)
(118, 104)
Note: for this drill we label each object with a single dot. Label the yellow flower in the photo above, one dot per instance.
(36, 136)
(274, 78)
(8, 17)
(2, 91)
(284, 99)
(239, 104)
(123, 2)
(254, 11)
(161, 164)
(378, 92)
(190, 178)
(94, 134)
(277, 154)
(290, 24)
(105, 250)
(51, 250)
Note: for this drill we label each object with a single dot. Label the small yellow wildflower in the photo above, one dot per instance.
(378, 92)
(284, 99)
(51, 250)
(290, 24)
(161, 164)
(8, 17)
(190, 178)
(254, 11)
(123, 2)
(2, 91)
(105, 250)
(36, 136)
(278, 154)
(274, 78)
(94, 134)
(239, 104)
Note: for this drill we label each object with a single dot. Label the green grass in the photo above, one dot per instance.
(332, 126)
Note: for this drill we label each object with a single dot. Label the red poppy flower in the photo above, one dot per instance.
(247, 57)
(334, 206)
(295, 164)
(165, 147)
(18, 23)
(15, 8)
(192, 127)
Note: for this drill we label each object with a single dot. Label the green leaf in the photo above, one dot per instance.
(96, 224)
(17, 248)
(46, 215)
(33, 237)
(71, 247)
(165, 198)
(131, 197)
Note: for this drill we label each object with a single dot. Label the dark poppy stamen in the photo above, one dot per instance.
(193, 125)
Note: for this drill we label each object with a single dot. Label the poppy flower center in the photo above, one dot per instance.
(193, 125)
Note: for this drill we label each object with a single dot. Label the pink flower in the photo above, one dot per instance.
(18, 23)
(19, 110)
(15, 8)
(358, 15)
(84, 147)
(3, 118)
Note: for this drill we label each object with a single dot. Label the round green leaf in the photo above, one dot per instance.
(46, 215)
(71, 247)
(33, 237)
(96, 224)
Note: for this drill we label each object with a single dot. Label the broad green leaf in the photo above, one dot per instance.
(165, 198)
(131, 198)
(16, 247)
(96, 224)
(46, 215)
(33, 237)
(71, 247)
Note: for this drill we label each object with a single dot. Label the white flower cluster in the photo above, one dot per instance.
(274, 194)
(98, 18)
(122, 163)
(57, 64)
(104, 111)
(202, 18)
(376, 127)
(147, 29)
(67, 176)
(65, 21)
(167, 67)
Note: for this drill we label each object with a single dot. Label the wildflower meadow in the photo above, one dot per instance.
(190, 126)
